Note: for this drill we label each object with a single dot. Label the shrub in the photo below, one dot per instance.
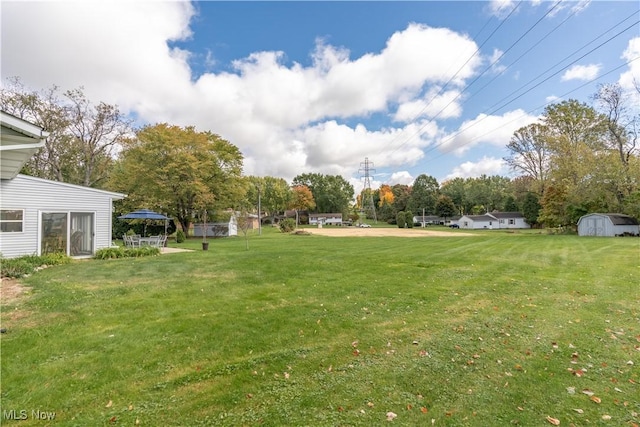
(22, 266)
(408, 219)
(180, 237)
(113, 253)
(400, 219)
(109, 253)
(287, 225)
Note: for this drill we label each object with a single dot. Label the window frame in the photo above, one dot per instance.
(11, 221)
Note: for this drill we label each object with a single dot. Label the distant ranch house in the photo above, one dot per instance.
(493, 221)
(39, 216)
(434, 220)
(325, 219)
(608, 225)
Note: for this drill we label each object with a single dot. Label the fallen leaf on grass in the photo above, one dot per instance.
(391, 416)
(554, 421)
(595, 399)
(579, 411)
(109, 405)
(606, 417)
(588, 392)
(424, 410)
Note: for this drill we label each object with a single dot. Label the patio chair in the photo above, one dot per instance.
(162, 241)
(135, 241)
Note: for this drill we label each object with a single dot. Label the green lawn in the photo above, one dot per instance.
(490, 330)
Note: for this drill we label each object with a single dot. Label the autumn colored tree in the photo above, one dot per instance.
(179, 171)
(386, 195)
(301, 199)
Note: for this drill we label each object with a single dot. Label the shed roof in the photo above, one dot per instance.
(616, 219)
(620, 219)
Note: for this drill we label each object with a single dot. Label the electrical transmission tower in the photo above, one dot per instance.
(366, 203)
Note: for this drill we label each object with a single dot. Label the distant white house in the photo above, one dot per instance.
(598, 224)
(325, 219)
(434, 220)
(510, 220)
(39, 216)
(478, 221)
(493, 220)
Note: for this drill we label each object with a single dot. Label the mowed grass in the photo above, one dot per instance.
(494, 329)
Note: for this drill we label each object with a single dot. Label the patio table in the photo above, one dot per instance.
(149, 241)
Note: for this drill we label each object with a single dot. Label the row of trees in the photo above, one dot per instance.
(582, 158)
(455, 197)
(578, 159)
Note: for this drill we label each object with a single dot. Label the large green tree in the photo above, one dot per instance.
(276, 195)
(445, 207)
(179, 171)
(332, 193)
(424, 194)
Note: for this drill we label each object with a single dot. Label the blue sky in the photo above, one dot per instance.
(415, 87)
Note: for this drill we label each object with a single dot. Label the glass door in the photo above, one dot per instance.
(71, 233)
(54, 233)
(81, 234)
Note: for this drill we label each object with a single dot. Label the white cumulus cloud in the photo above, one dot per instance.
(485, 129)
(582, 72)
(485, 166)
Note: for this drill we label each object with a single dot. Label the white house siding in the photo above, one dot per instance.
(513, 223)
(35, 195)
(477, 222)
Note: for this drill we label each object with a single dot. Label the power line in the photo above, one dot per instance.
(479, 75)
(536, 108)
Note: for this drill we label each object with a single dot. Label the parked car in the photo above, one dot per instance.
(454, 226)
(363, 225)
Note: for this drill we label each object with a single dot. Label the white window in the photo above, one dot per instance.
(11, 220)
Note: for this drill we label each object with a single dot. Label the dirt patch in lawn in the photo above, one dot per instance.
(382, 232)
(11, 290)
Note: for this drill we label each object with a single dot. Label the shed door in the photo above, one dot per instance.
(595, 226)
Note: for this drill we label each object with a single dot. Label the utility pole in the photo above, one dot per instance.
(259, 213)
(366, 169)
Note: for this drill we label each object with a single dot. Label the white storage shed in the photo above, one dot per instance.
(607, 224)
